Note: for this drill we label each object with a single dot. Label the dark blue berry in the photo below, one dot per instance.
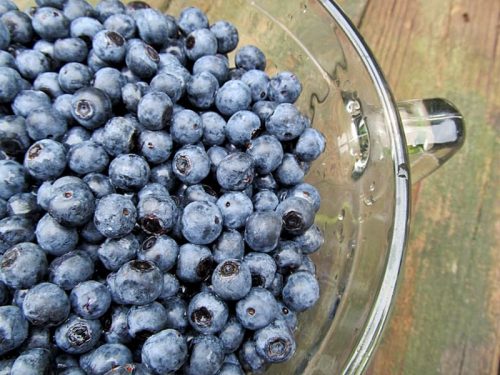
(157, 214)
(129, 172)
(165, 351)
(27, 101)
(62, 105)
(31, 63)
(286, 122)
(132, 93)
(99, 184)
(201, 222)
(106, 8)
(207, 356)
(235, 208)
(310, 241)
(14, 140)
(46, 304)
(115, 215)
(33, 358)
(199, 193)
(45, 159)
(119, 135)
(186, 127)
(297, 215)
(15, 229)
(19, 26)
(23, 204)
(214, 128)
(14, 328)
(164, 175)
(301, 291)
(217, 65)
(229, 245)
(194, 264)
(73, 9)
(13, 180)
(90, 299)
(87, 157)
(122, 24)
(116, 329)
(153, 26)
(242, 127)
(176, 313)
(250, 360)
(191, 19)
(4, 36)
(90, 107)
(23, 265)
(264, 109)
(191, 164)
(45, 123)
(250, 57)
(85, 28)
(311, 145)
(110, 81)
(70, 269)
(262, 231)
(262, 267)
(161, 250)
(232, 97)
(138, 282)
(48, 83)
(290, 171)
(207, 314)
(155, 146)
(6, 59)
(145, 320)
(154, 110)
(284, 87)
(201, 90)
(230, 369)
(307, 192)
(235, 171)
(216, 155)
(199, 43)
(288, 257)
(257, 309)
(77, 335)
(70, 50)
(105, 358)
(171, 287)
(232, 280)
(275, 343)
(232, 335)
(114, 253)
(50, 23)
(142, 60)
(258, 82)
(226, 34)
(265, 200)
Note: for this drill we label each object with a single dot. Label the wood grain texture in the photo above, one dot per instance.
(447, 316)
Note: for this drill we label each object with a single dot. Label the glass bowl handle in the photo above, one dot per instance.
(434, 130)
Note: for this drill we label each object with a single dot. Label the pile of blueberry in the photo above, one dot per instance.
(153, 213)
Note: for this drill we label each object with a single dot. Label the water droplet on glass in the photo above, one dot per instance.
(341, 215)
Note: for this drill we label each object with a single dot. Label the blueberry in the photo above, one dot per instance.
(6, 366)
(235, 208)
(230, 369)
(18, 297)
(277, 285)
(258, 82)
(90, 299)
(91, 107)
(50, 3)
(170, 84)
(110, 81)
(161, 250)
(153, 189)
(186, 127)
(90, 234)
(28, 100)
(307, 265)
(143, 321)
(98, 136)
(232, 97)
(250, 57)
(284, 87)
(70, 50)
(119, 135)
(164, 175)
(307, 192)
(311, 145)
(31, 63)
(257, 309)
(14, 328)
(65, 361)
(115, 326)
(45, 159)
(113, 253)
(201, 90)
(77, 335)
(171, 286)
(23, 266)
(207, 356)
(48, 83)
(14, 230)
(214, 128)
(194, 264)
(290, 172)
(153, 26)
(235, 171)
(262, 231)
(264, 109)
(217, 65)
(4, 36)
(191, 19)
(71, 204)
(297, 215)
(99, 184)
(46, 304)
(34, 358)
(250, 360)
(301, 291)
(62, 105)
(19, 26)
(14, 140)
(199, 192)
(115, 216)
(85, 28)
(23, 204)
(106, 8)
(311, 240)
(175, 47)
(262, 267)
(170, 64)
(229, 245)
(242, 127)
(138, 282)
(275, 343)
(191, 164)
(132, 94)
(265, 200)
(155, 146)
(201, 222)
(232, 335)
(232, 280)
(288, 257)
(73, 9)
(285, 123)
(142, 60)
(122, 24)
(6, 59)
(109, 46)
(40, 337)
(129, 172)
(216, 155)
(6, 5)
(176, 313)
(50, 23)
(87, 157)
(226, 34)
(70, 269)
(4, 294)
(288, 316)
(105, 358)
(154, 110)
(130, 368)
(207, 314)
(13, 179)
(165, 351)
(199, 43)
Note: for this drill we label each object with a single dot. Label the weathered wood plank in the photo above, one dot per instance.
(447, 317)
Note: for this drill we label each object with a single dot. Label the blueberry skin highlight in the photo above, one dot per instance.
(46, 304)
(99, 184)
(165, 351)
(201, 222)
(301, 291)
(14, 328)
(23, 266)
(115, 216)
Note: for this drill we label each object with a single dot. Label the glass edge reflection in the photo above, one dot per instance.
(378, 317)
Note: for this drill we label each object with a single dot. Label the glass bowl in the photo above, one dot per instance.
(374, 148)
(364, 175)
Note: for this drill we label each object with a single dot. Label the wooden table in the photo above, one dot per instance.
(447, 316)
